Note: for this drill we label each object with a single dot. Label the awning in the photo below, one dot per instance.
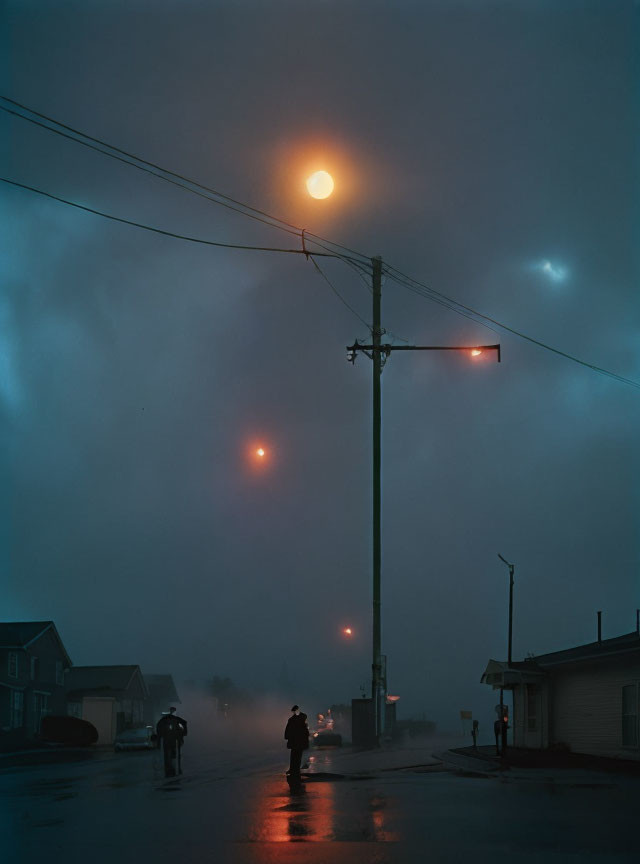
(501, 676)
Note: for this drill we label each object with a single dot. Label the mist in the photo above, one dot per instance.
(139, 371)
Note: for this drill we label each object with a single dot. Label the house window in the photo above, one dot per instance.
(59, 672)
(12, 664)
(532, 707)
(35, 665)
(630, 715)
(16, 705)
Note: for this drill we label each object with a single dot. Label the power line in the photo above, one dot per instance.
(247, 210)
(162, 230)
(310, 255)
(275, 222)
(451, 305)
(147, 170)
(437, 297)
(337, 293)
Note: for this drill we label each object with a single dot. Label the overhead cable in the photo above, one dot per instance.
(474, 315)
(336, 292)
(220, 198)
(311, 255)
(361, 262)
(161, 230)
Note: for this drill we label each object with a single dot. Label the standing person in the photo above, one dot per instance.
(171, 731)
(497, 731)
(474, 734)
(297, 736)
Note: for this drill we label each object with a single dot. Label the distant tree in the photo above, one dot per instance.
(228, 695)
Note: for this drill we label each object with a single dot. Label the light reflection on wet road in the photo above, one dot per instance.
(239, 808)
(344, 811)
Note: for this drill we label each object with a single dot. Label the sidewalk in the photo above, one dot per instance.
(348, 762)
(336, 763)
(52, 756)
(534, 762)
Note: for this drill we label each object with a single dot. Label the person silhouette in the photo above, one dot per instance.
(171, 731)
(296, 734)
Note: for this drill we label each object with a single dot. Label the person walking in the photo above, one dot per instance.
(171, 731)
(296, 734)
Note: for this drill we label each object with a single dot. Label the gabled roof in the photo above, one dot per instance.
(21, 634)
(162, 688)
(625, 644)
(108, 680)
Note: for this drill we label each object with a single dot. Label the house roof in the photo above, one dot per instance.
(162, 688)
(625, 644)
(500, 673)
(21, 634)
(102, 679)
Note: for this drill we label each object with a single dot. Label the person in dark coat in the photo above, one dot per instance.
(297, 736)
(171, 731)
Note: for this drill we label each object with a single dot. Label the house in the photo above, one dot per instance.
(110, 697)
(162, 694)
(33, 661)
(586, 698)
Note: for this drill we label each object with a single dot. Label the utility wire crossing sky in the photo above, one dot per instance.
(419, 288)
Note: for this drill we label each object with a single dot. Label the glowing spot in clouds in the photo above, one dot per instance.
(553, 272)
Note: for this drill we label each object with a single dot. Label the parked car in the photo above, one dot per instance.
(142, 738)
(326, 738)
(71, 731)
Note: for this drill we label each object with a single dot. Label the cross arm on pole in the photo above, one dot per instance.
(386, 349)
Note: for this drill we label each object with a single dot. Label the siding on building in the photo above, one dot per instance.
(522, 735)
(587, 706)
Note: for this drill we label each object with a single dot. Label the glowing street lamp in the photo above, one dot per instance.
(320, 184)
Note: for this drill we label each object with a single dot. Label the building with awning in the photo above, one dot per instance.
(585, 699)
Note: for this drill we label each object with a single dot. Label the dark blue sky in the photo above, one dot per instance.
(471, 143)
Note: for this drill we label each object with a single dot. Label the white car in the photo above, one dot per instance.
(135, 739)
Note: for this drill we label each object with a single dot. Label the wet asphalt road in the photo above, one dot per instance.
(233, 807)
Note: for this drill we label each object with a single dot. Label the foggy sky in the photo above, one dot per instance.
(470, 143)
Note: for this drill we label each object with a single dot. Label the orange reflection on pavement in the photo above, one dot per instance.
(287, 817)
(381, 833)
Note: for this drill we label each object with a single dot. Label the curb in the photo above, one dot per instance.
(468, 764)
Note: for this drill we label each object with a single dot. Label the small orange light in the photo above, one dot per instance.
(260, 452)
(347, 631)
(476, 352)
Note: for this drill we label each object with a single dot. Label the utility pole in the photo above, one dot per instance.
(509, 642)
(379, 353)
(376, 666)
(511, 569)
